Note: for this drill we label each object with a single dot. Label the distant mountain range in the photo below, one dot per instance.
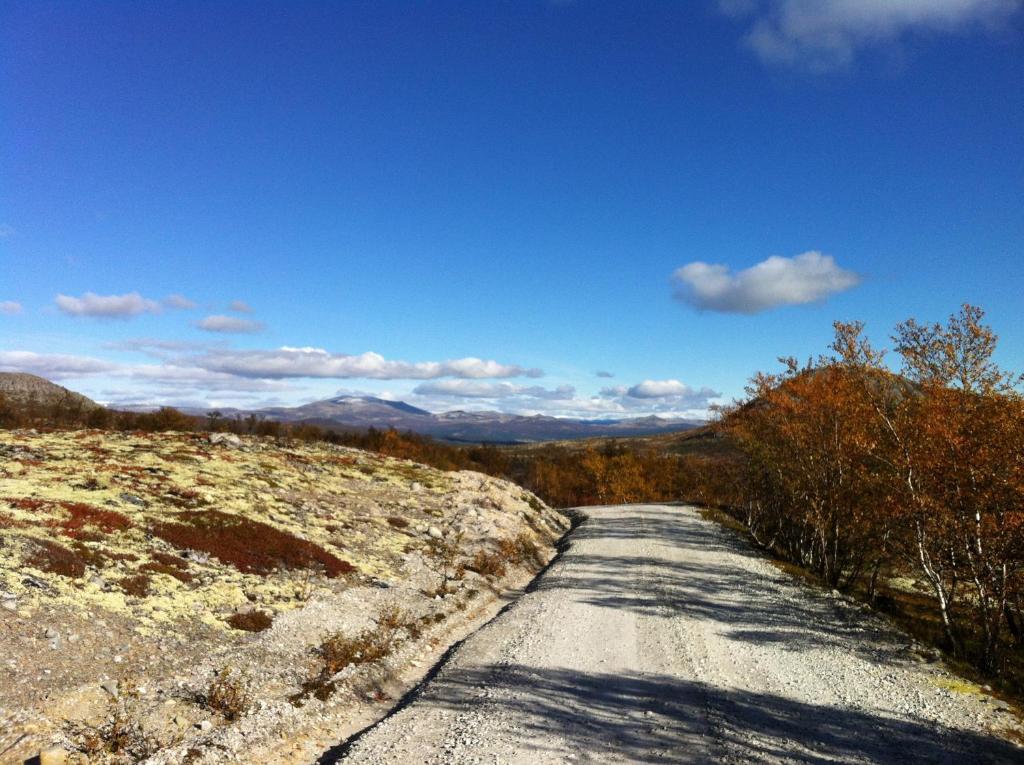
(362, 412)
(355, 413)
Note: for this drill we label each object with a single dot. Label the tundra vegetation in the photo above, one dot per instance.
(162, 558)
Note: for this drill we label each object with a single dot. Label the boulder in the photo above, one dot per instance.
(225, 439)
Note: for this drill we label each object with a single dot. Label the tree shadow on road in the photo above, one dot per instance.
(661, 719)
(717, 588)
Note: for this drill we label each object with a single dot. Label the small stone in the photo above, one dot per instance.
(435, 532)
(180, 721)
(110, 686)
(132, 499)
(118, 660)
(10, 605)
(53, 756)
(51, 633)
(204, 725)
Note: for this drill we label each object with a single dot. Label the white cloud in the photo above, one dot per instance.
(229, 324)
(239, 306)
(602, 373)
(196, 378)
(777, 281)
(52, 365)
(107, 306)
(157, 347)
(317, 362)
(179, 301)
(667, 398)
(475, 389)
(827, 34)
(9, 307)
(659, 389)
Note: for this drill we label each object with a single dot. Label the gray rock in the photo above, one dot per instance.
(51, 633)
(226, 439)
(435, 532)
(204, 725)
(132, 499)
(110, 686)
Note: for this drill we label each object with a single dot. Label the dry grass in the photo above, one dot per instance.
(226, 695)
(121, 738)
(487, 564)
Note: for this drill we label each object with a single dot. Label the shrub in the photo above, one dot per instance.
(56, 559)
(487, 564)
(161, 568)
(82, 515)
(251, 621)
(250, 546)
(137, 586)
(338, 651)
(226, 695)
(121, 737)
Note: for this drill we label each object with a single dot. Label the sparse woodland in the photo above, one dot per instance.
(861, 475)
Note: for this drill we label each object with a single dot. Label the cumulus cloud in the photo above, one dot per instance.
(179, 301)
(659, 389)
(317, 362)
(777, 281)
(52, 365)
(229, 325)
(475, 389)
(827, 34)
(239, 306)
(107, 306)
(665, 398)
(9, 307)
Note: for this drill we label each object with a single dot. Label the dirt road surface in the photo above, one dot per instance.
(660, 637)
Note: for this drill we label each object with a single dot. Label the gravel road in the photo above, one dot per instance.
(659, 637)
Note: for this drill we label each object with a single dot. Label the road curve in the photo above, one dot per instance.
(660, 637)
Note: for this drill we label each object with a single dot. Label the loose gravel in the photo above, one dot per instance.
(660, 637)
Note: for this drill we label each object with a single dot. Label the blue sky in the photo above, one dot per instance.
(482, 205)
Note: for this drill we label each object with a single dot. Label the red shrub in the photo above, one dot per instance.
(137, 585)
(83, 515)
(250, 546)
(162, 568)
(55, 559)
(253, 621)
(27, 503)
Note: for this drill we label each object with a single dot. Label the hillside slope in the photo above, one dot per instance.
(23, 389)
(143, 559)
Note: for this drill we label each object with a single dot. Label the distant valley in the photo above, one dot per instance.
(362, 412)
